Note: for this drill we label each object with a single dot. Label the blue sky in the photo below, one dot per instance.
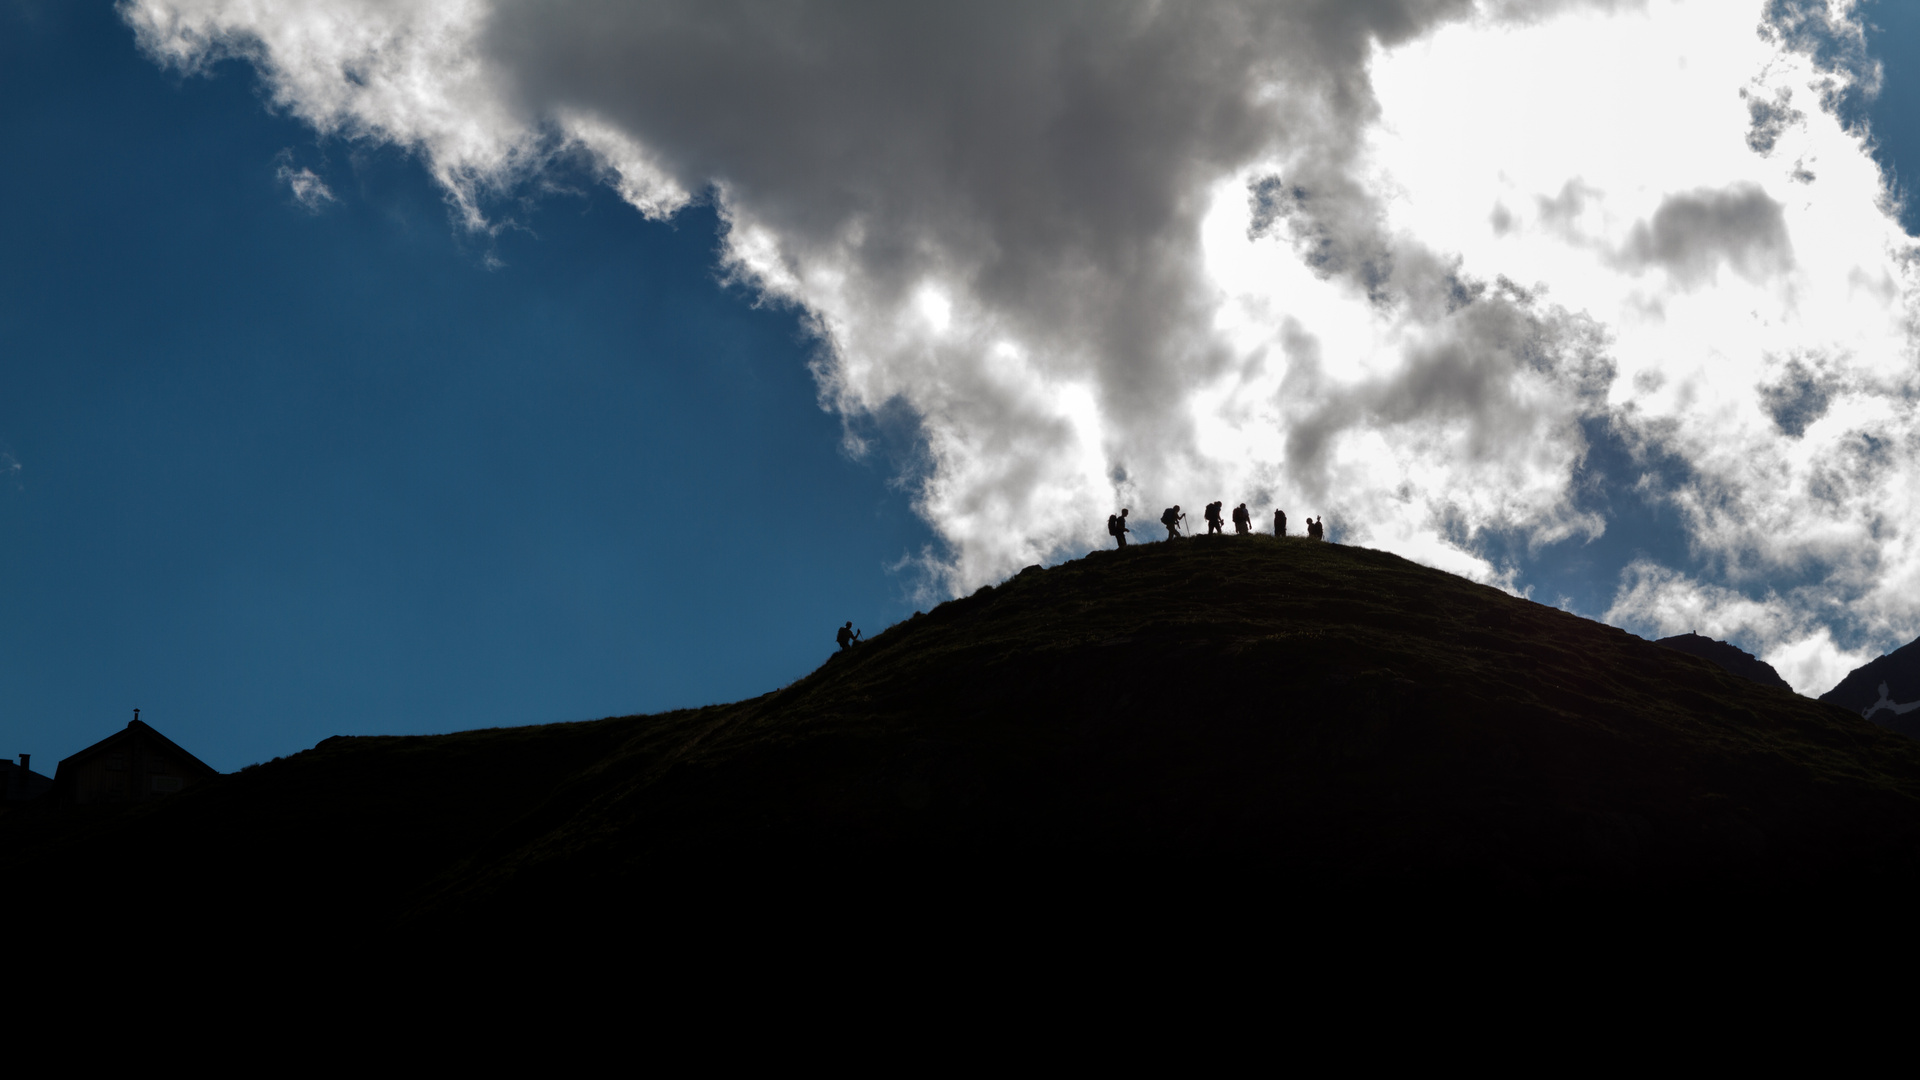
(285, 475)
(275, 472)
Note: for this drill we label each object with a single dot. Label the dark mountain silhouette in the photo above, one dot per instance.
(1305, 717)
(1885, 691)
(1730, 657)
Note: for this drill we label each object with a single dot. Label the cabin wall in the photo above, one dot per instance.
(131, 771)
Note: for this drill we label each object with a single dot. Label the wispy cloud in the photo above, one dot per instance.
(309, 191)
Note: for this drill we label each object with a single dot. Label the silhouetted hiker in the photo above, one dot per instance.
(1212, 514)
(1171, 519)
(1242, 521)
(846, 637)
(1117, 526)
(1279, 523)
(1313, 529)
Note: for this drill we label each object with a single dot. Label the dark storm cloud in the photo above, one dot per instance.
(1691, 234)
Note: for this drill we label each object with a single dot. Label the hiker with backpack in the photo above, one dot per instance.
(1212, 515)
(1242, 521)
(1117, 526)
(1171, 519)
(1279, 523)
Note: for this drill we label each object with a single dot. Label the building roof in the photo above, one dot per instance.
(18, 784)
(126, 734)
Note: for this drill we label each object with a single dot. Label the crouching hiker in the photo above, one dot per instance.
(848, 636)
(1117, 526)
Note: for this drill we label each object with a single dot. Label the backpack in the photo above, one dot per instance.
(1169, 517)
(1113, 524)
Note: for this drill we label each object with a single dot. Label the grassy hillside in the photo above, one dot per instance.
(1281, 709)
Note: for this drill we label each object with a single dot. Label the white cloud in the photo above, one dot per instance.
(311, 192)
(1795, 627)
(1388, 261)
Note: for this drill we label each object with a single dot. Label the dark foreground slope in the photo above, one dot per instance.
(1730, 657)
(1286, 711)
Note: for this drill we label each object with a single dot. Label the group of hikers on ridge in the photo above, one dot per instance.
(1172, 518)
(848, 637)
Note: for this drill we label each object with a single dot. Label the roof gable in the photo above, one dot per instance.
(135, 731)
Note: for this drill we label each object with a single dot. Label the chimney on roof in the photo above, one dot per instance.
(136, 717)
(24, 758)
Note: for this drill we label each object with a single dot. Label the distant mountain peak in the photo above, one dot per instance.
(1730, 657)
(1885, 691)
